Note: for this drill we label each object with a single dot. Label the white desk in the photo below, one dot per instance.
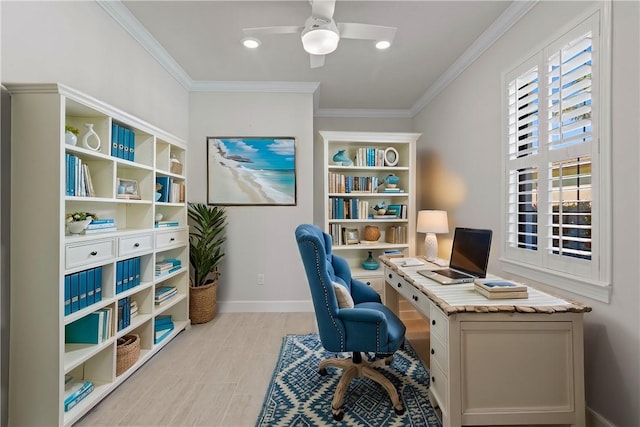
(497, 361)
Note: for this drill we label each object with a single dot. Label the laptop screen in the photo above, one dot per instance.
(470, 252)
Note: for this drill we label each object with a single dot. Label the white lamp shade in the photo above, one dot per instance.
(432, 221)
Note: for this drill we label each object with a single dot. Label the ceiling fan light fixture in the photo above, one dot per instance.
(319, 36)
(251, 42)
(383, 44)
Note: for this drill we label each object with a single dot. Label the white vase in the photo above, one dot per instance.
(70, 138)
(90, 139)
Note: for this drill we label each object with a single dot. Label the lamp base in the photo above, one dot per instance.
(431, 246)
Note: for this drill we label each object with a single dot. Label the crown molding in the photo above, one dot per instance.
(505, 21)
(241, 86)
(130, 23)
(363, 113)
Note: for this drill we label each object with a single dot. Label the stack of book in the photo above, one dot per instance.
(162, 325)
(75, 391)
(107, 225)
(163, 293)
(160, 224)
(133, 309)
(167, 266)
(501, 289)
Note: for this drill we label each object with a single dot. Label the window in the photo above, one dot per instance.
(556, 164)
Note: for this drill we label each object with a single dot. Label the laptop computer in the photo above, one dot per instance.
(469, 257)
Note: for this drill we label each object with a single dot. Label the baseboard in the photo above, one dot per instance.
(264, 306)
(596, 420)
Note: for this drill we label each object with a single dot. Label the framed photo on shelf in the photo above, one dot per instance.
(251, 171)
(351, 236)
(127, 189)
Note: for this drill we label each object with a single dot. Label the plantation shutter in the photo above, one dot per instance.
(550, 180)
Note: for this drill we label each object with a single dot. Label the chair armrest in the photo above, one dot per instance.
(361, 292)
(365, 328)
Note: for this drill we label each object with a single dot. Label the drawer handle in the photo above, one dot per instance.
(389, 275)
(136, 245)
(94, 253)
(415, 297)
(433, 351)
(368, 283)
(433, 322)
(172, 239)
(399, 284)
(433, 380)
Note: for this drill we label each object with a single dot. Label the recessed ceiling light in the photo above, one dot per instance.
(382, 44)
(251, 43)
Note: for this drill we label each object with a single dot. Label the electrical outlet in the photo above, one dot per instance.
(260, 279)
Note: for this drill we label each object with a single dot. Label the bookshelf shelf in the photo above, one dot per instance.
(368, 175)
(54, 176)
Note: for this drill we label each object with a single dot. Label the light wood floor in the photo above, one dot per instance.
(202, 377)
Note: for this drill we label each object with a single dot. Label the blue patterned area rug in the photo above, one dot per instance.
(299, 396)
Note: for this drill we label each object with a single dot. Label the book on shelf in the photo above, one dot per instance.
(160, 224)
(500, 285)
(75, 391)
(501, 295)
(111, 229)
(87, 330)
(93, 225)
(161, 334)
(163, 293)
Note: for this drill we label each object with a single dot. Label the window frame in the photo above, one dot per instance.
(530, 264)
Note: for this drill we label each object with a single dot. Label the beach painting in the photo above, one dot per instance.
(251, 171)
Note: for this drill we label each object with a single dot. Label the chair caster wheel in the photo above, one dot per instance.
(338, 416)
(399, 411)
(323, 372)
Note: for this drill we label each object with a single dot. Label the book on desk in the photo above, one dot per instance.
(500, 289)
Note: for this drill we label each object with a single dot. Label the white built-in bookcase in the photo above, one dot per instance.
(43, 251)
(402, 160)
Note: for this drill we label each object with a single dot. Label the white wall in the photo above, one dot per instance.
(77, 43)
(461, 172)
(260, 239)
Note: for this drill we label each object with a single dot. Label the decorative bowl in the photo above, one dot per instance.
(78, 227)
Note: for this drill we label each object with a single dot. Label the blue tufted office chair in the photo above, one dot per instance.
(368, 327)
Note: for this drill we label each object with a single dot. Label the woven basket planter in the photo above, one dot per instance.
(127, 352)
(202, 303)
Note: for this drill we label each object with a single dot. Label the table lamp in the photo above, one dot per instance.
(432, 222)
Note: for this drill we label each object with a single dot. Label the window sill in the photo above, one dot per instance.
(599, 291)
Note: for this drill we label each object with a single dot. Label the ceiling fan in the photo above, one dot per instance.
(320, 34)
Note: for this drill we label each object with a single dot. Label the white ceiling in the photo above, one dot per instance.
(199, 42)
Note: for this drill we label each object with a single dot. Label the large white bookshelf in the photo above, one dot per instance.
(396, 153)
(43, 252)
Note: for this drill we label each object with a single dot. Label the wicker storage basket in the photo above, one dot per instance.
(127, 352)
(202, 303)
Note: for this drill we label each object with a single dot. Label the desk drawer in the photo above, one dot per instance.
(87, 253)
(439, 324)
(439, 354)
(132, 245)
(439, 386)
(169, 239)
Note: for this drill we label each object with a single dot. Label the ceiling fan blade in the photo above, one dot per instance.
(316, 61)
(261, 31)
(352, 30)
(323, 9)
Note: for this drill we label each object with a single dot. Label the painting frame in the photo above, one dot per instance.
(352, 236)
(251, 171)
(127, 189)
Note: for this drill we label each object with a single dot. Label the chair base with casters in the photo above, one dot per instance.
(357, 367)
(350, 317)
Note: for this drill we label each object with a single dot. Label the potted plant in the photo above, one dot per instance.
(71, 135)
(206, 236)
(78, 221)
